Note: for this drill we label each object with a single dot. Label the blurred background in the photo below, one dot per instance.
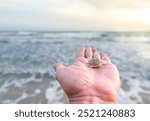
(36, 34)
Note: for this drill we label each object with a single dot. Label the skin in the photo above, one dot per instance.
(85, 85)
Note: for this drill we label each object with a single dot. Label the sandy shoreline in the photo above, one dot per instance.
(53, 94)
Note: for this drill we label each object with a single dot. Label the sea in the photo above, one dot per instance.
(27, 58)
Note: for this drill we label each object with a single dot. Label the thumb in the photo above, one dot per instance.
(58, 66)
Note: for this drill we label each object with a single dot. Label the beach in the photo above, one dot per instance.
(27, 58)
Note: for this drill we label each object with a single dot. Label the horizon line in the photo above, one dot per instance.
(74, 30)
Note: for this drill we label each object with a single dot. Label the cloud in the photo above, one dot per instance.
(75, 14)
(122, 4)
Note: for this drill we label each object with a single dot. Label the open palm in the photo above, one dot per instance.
(81, 82)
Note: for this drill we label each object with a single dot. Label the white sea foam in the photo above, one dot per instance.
(23, 96)
(53, 95)
(133, 39)
(26, 95)
(25, 33)
(129, 97)
(70, 35)
(135, 89)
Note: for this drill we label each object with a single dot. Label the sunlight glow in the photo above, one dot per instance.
(140, 15)
(75, 14)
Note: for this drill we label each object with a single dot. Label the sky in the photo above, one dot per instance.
(90, 15)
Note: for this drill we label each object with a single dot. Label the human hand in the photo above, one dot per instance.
(84, 84)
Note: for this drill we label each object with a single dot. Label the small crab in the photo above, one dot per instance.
(96, 63)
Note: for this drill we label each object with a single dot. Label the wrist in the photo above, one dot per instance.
(90, 100)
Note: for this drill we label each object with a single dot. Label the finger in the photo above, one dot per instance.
(96, 54)
(58, 66)
(105, 57)
(81, 53)
(88, 53)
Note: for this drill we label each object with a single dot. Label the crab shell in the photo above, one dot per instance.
(96, 63)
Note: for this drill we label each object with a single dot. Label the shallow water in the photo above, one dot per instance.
(27, 59)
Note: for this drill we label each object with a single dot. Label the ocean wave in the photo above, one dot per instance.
(70, 36)
(53, 95)
(133, 39)
(26, 63)
(134, 91)
(26, 33)
(73, 35)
